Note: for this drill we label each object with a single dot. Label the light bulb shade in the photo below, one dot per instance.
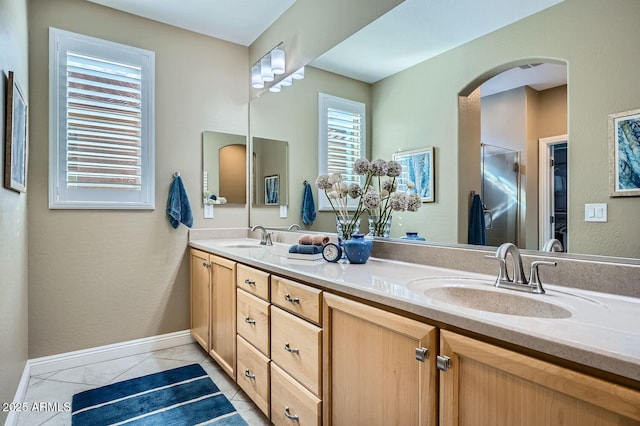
(275, 88)
(265, 69)
(277, 61)
(288, 81)
(256, 81)
(298, 75)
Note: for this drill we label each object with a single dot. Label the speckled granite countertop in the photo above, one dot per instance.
(598, 330)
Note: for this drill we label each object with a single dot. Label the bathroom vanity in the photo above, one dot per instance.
(391, 342)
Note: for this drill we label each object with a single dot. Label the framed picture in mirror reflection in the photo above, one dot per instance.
(417, 173)
(624, 154)
(272, 190)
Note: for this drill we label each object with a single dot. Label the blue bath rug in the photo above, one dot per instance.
(181, 396)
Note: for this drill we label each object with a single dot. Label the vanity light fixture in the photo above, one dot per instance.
(268, 66)
(277, 61)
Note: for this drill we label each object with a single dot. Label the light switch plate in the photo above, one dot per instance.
(595, 212)
(208, 211)
(283, 212)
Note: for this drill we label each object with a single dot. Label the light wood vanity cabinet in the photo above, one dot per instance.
(372, 374)
(307, 357)
(489, 385)
(200, 281)
(222, 344)
(213, 307)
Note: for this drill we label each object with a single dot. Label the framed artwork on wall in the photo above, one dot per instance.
(16, 147)
(272, 190)
(417, 168)
(624, 154)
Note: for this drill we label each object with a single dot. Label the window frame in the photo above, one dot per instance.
(61, 197)
(326, 101)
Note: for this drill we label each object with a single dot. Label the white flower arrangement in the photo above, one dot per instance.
(379, 198)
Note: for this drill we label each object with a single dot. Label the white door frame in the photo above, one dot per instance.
(546, 187)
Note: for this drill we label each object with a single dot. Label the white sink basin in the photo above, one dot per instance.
(498, 302)
(481, 295)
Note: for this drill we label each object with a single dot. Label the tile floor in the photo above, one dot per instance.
(60, 386)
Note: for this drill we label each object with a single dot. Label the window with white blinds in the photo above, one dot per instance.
(342, 139)
(102, 124)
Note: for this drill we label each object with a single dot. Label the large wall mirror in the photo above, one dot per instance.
(437, 103)
(224, 171)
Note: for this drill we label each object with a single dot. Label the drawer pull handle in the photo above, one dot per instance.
(290, 416)
(291, 299)
(290, 349)
(248, 374)
(249, 282)
(249, 320)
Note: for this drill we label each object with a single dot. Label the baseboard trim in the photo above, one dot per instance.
(62, 361)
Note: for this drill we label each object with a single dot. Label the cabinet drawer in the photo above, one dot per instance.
(254, 375)
(297, 298)
(296, 346)
(253, 320)
(253, 280)
(292, 404)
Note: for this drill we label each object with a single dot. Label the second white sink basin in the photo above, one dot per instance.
(497, 302)
(481, 295)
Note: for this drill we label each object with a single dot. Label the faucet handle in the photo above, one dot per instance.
(502, 273)
(267, 238)
(534, 280)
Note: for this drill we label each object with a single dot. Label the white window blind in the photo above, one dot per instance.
(102, 136)
(342, 138)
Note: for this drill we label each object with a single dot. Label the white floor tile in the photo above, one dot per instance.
(191, 352)
(98, 374)
(58, 388)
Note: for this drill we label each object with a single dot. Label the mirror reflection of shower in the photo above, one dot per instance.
(500, 193)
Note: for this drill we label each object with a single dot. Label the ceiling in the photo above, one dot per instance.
(412, 32)
(237, 21)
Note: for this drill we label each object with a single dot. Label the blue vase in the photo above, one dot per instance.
(357, 248)
(413, 236)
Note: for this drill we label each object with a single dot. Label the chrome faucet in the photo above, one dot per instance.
(265, 237)
(294, 227)
(518, 280)
(553, 245)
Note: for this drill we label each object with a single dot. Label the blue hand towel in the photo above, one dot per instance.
(477, 230)
(178, 207)
(305, 249)
(308, 205)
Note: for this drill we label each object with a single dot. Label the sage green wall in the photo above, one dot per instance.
(594, 38)
(13, 213)
(100, 277)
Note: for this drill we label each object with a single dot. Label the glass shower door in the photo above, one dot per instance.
(500, 194)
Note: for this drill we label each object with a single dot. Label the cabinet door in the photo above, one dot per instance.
(222, 346)
(200, 274)
(371, 373)
(489, 385)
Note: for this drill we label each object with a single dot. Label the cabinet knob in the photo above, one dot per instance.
(249, 320)
(290, 349)
(291, 299)
(206, 265)
(443, 362)
(248, 375)
(249, 282)
(290, 416)
(422, 354)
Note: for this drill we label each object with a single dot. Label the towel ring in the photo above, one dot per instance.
(176, 174)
